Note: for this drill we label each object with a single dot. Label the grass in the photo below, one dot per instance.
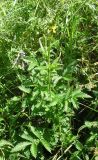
(48, 80)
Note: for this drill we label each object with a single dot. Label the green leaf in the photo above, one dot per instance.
(1, 158)
(24, 103)
(46, 145)
(35, 132)
(74, 102)
(68, 93)
(93, 124)
(75, 156)
(66, 106)
(84, 95)
(79, 145)
(15, 98)
(54, 103)
(1, 119)
(27, 137)
(4, 143)
(33, 149)
(24, 89)
(27, 153)
(56, 79)
(81, 128)
(92, 138)
(78, 94)
(32, 65)
(67, 78)
(20, 146)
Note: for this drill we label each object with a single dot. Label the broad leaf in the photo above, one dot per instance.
(84, 95)
(24, 89)
(26, 136)
(35, 132)
(5, 143)
(79, 145)
(78, 94)
(20, 146)
(15, 98)
(33, 149)
(74, 102)
(46, 145)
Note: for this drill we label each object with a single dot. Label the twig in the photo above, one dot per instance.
(66, 150)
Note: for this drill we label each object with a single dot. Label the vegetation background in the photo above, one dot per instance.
(48, 79)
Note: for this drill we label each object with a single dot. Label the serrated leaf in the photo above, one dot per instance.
(84, 95)
(24, 89)
(20, 146)
(27, 137)
(33, 149)
(35, 132)
(78, 94)
(91, 124)
(46, 145)
(4, 143)
(74, 102)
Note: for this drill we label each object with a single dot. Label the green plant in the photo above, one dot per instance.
(48, 79)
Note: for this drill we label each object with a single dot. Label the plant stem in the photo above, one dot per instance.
(49, 73)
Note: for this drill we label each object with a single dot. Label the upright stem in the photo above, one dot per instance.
(49, 73)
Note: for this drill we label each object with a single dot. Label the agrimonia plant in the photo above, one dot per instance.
(49, 80)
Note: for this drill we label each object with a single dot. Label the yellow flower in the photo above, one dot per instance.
(53, 28)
